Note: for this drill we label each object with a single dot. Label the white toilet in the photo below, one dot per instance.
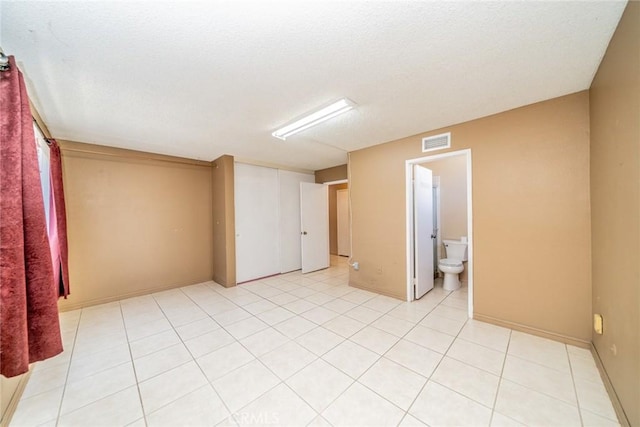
(452, 266)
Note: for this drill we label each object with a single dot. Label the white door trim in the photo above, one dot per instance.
(409, 220)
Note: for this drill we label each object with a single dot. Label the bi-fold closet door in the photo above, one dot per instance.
(267, 210)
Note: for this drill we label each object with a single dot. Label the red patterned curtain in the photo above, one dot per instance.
(58, 223)
(29, 325)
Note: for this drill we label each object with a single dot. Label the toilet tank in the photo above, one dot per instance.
(455, 249)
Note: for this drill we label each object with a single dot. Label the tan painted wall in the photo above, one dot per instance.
(137, 222)
(224, 240)
(615, 206)
(333, 216)
(530, 207)
(335, 173)
(453, 195)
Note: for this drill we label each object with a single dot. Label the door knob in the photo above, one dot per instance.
(304, 233)
(433, 236)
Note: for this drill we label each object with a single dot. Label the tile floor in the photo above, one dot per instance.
(300, 350)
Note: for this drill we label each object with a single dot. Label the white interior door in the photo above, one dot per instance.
(290, 249)
(314, 222)
(423, 230)
(343, 225)
(257, 219)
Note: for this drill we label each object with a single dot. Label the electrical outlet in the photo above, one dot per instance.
(356, 266)
(597, 324)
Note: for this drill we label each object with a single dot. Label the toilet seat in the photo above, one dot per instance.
(448, 262)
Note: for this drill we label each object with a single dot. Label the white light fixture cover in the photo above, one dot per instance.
(314, 118)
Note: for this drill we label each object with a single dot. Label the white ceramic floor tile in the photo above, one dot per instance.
(540, 378)
(161, 361)
(339, 305)
(411, 421)
(584, 367)
(351, 358)
(204, 344)
(411, 312)
(319, 384)
(532, 408)
(197, 328)
(95, 387)
(44, 380)
(394, 382)
(231, 316)
(476, 355)
(259, 306)
(299, 306)
(393, 325)
(382, 303)
(171, 385)
(319, 298)
(286, 360)
(38, 409)
(264, 341)
(443, 324)
(295, 326)
(280, 406)
(499, 420)
(543, 351)
(282, 299)
(451, 313)
(319, 340)
(139, 331)
(363, 314)
(319, 315)
(242, 386)
(438, 406)
(246, 327)
(471, 382)
(220, 362)
(374, 339)
(491, 336)
(429, 338)
(589, 419)
(201, 407)
(275, 316)
(344, 326)
(359, 406)
(358, 296)
(102, 413)
(593, 397)
(415, 357)
(153, 343)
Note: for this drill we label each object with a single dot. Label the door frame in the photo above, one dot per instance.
(410, 225)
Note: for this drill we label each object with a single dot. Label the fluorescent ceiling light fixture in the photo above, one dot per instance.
(314, 118)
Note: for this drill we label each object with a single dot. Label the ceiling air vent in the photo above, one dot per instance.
(437, 142)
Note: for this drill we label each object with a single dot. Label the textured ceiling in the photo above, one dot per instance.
(202, 79)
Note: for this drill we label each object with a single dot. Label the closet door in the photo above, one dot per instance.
(290, 249)
(257, 222)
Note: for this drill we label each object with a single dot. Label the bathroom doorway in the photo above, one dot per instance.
(416, 240)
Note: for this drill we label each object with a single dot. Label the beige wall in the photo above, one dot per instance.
(453, 195)
(335, 173)
(615, 207)
(530, 207)
(137, 222)
(333, 216)
(224, 222)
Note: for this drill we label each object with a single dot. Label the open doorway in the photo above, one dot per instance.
(339, 218)
(420, 231)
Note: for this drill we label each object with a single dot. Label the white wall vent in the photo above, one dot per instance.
(436, 142)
